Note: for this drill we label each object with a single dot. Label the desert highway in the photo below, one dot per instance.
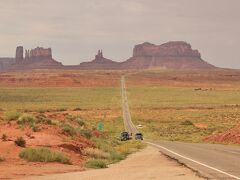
(212, 161)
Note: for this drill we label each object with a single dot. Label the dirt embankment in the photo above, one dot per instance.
(147, 164)
(48, 136)
(231, 136)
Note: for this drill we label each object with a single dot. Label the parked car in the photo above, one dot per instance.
(139, 136)
(125, 136)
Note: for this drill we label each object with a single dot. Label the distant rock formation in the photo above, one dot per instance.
(99, 63)
(38, 58)
(38, 53)
(171, 55)
(174, 49)
(5, 63)
(19, 54)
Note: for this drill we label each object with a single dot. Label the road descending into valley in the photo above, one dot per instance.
(128, 124)
(209, 160)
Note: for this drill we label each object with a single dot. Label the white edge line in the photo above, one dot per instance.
(194, 161)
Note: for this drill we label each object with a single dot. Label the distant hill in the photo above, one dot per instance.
(171, 55)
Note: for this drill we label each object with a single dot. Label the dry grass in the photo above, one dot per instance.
(96, 153)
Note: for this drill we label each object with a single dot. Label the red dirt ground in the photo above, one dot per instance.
(49, 136)
(46, 78)
(231, 136)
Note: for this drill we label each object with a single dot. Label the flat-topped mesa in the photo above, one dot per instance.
(37, 58)
(170, 49)
(38, 53)
(171, 55)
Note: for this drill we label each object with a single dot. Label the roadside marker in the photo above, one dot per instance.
(205, 165)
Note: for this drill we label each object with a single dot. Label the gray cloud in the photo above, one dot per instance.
(75, 29)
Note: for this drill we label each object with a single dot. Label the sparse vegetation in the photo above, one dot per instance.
(187, 123)
(85, 133)
(20, 142)
(12, 115)
(129, 147)
(80, 122)
(47, 99)
(26, 119)
(4, 137)
(43, 155)
(70, 130)
(96, 153)
(170, 113)
(96, 163)
(116, 156)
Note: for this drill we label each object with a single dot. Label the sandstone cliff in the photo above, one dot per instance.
(171, 55)
(38, 58)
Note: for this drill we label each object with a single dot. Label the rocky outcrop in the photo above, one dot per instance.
(99, 63)
(19, 54)
(171, 55)
(38, 58)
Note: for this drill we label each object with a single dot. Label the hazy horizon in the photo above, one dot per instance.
(76, 29)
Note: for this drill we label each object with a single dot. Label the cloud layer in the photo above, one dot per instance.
(76, 29)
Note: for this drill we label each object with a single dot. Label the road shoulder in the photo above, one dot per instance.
(148, 163)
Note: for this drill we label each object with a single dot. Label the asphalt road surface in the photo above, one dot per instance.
(210, 160)
(128, 124)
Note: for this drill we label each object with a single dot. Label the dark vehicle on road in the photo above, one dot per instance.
(139, 136)
(125, 136)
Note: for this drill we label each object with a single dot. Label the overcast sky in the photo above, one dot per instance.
(76, 29)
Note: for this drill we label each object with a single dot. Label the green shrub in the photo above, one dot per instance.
(4, 137)
(85, 133)
(96, 163)
(80, 122)
(103, 144)
(115, 156)
(20, 142)
(77, 109)
(61, 109)
(41, 118)
(187, 123)
(69, 129)
(129, 147)
(69, 117)
(55, 122)
(26, 119)
(43, 155)
(12, 115)
(96, 153)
